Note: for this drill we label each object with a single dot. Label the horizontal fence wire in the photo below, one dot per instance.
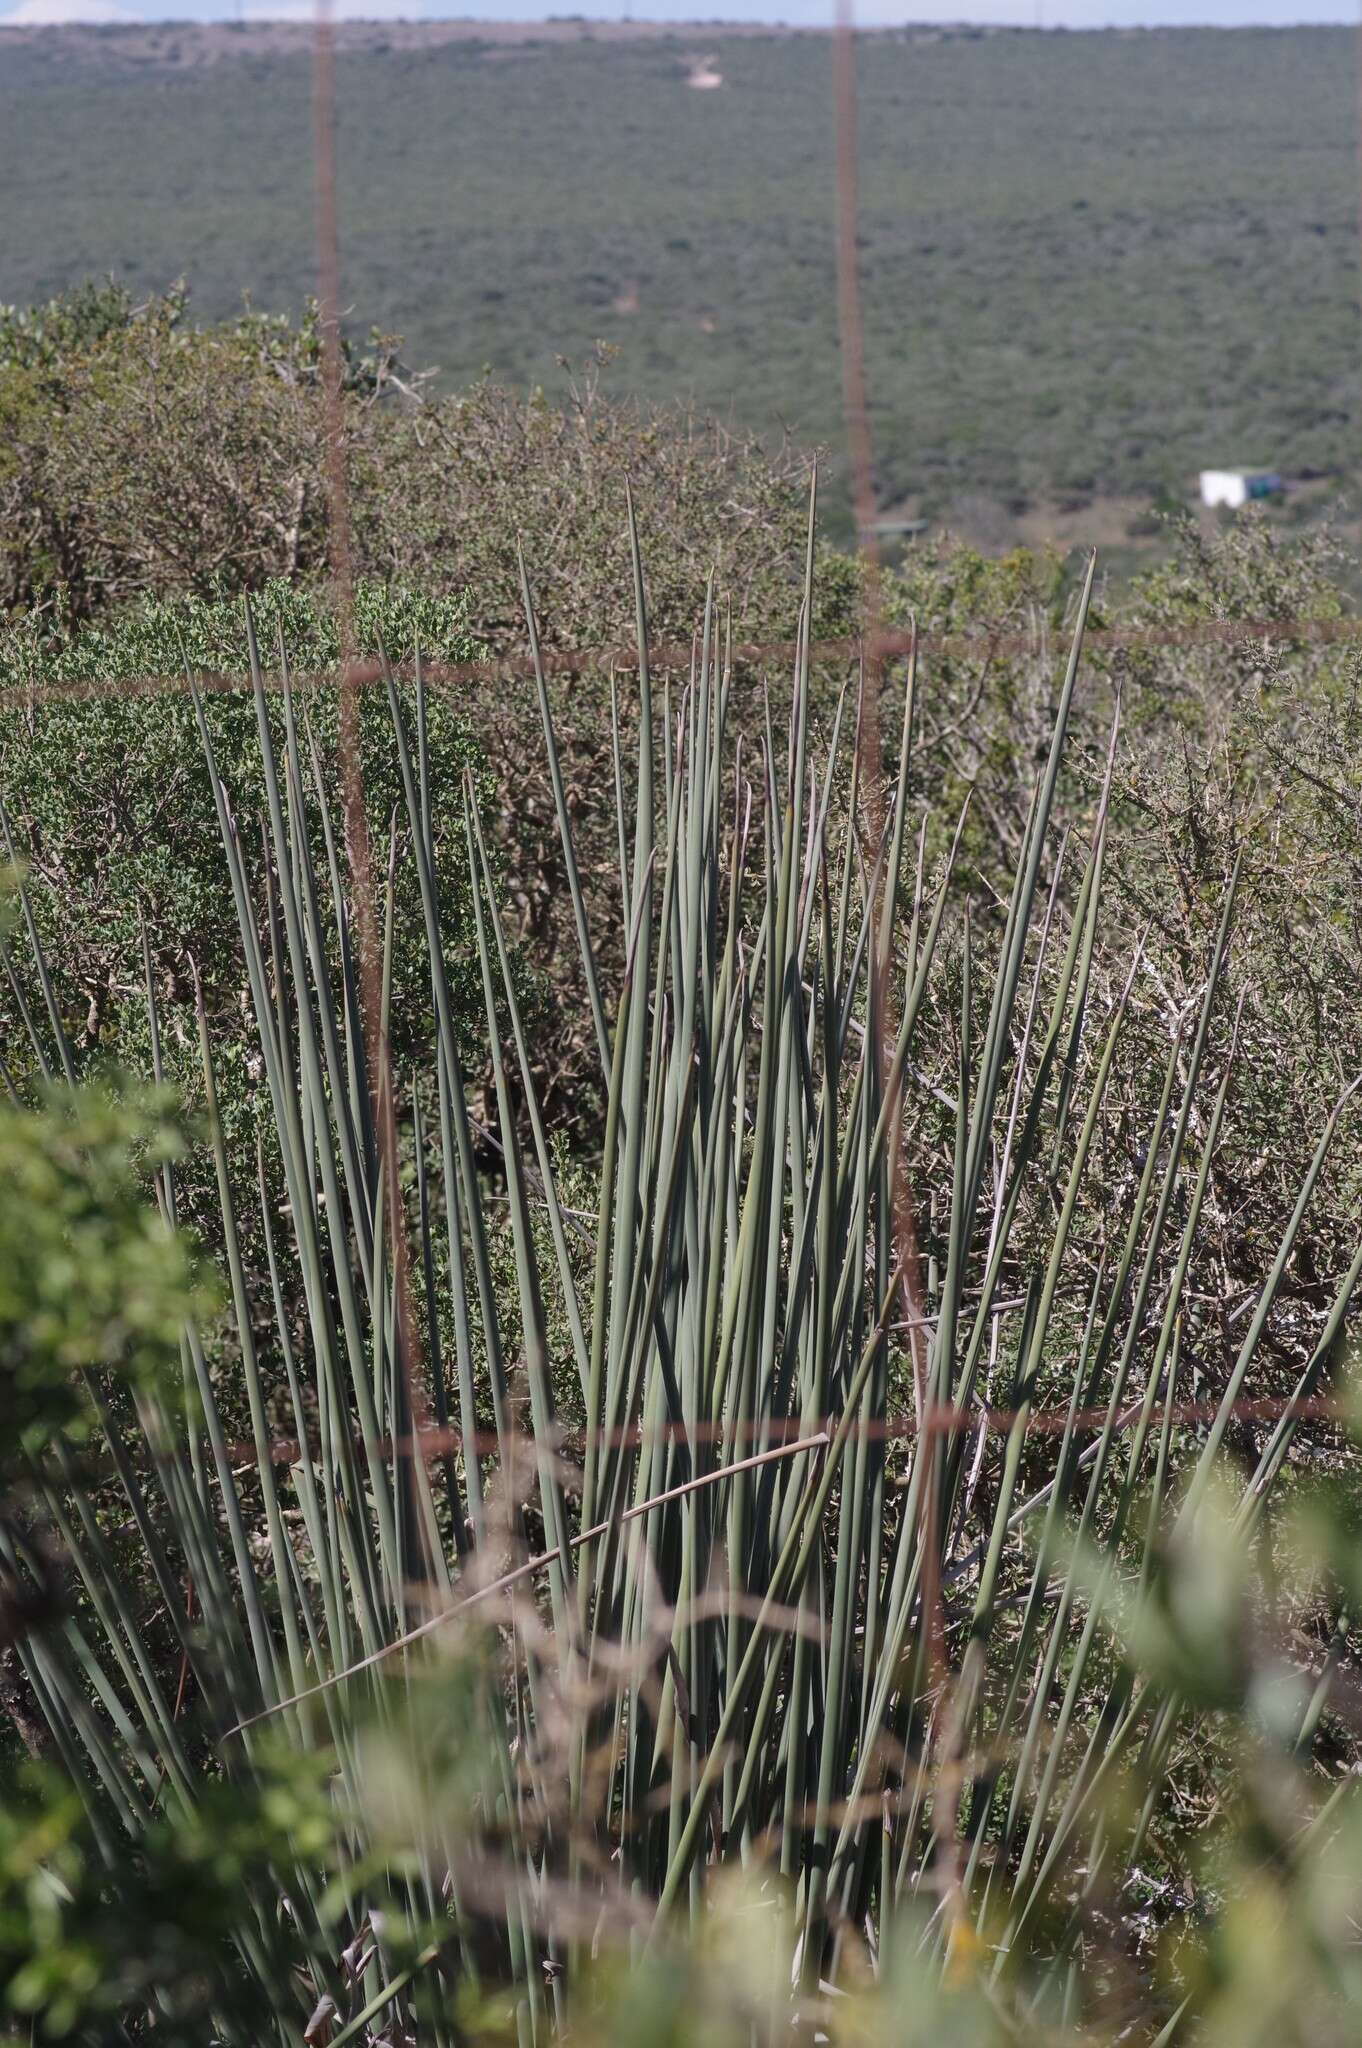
(365, 673)
(874, 647)
(939, 1419)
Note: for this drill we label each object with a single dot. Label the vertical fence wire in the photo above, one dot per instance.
(358, 839)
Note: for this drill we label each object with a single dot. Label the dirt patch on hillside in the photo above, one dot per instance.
(995, 527)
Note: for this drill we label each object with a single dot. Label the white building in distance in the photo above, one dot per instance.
(1237, 487)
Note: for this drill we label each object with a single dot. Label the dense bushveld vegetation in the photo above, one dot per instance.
(993, 1733)
(1094, 263)
(144, 455)
(152, 471)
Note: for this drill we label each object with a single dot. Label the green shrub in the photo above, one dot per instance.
(163, 637)
(144, 457)
(111, 812)
(99, 1932)
(90, 1279)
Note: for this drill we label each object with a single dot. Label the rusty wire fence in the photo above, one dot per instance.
(871, 653)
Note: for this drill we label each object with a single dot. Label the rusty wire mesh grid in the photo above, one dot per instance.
(872, 650)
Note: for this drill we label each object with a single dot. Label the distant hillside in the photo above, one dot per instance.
(1093, 263)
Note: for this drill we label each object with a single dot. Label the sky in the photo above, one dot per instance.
(1073, 14)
